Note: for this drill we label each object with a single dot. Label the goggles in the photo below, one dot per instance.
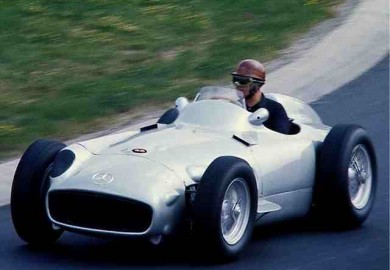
(244, 80)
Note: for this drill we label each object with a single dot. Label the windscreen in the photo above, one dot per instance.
(222, 93)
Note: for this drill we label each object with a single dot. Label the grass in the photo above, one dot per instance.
(69, 67)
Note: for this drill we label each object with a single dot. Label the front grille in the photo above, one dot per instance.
(99, 211)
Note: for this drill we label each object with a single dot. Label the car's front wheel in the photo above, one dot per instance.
(28, 193)
(225, 207)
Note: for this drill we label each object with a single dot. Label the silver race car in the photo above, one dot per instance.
(208, 165)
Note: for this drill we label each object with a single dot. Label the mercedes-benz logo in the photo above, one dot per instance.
(102, 178)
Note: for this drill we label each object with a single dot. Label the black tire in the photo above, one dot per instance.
(28, 193)
(208, 203)
(169, 116)
(332, 199)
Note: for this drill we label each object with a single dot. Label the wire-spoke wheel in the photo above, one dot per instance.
(225, 208)
(235, 211)
(345, 189)
(360, 176)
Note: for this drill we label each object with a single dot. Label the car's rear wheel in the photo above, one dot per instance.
(28, 193)
(360, 177)
(345, 188)
(225, 207)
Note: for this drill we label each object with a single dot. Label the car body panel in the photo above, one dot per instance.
(157, 166)
(153, 187)
(297, 109)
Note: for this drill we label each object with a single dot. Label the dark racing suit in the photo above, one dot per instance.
(278, 120)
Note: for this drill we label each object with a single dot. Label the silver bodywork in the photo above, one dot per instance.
(177, 155)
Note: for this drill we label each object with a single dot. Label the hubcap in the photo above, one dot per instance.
(360, 177)
(235, 211)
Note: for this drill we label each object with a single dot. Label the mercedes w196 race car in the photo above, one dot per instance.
(208, 164)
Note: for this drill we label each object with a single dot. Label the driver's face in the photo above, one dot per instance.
(244, 89)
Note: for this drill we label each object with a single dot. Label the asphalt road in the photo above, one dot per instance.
(294, 245)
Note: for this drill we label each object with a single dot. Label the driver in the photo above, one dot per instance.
(248, 77)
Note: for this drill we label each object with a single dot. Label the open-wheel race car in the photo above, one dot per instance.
(208, 164)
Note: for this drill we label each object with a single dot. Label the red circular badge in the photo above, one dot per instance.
(139, 151)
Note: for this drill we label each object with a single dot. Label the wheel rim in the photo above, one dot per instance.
(360, 177)
(235, 211)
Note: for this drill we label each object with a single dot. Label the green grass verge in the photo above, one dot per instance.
(68, 67)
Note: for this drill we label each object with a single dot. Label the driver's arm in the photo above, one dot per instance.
(279, 120)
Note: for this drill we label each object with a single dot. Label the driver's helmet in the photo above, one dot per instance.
(249, 71)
